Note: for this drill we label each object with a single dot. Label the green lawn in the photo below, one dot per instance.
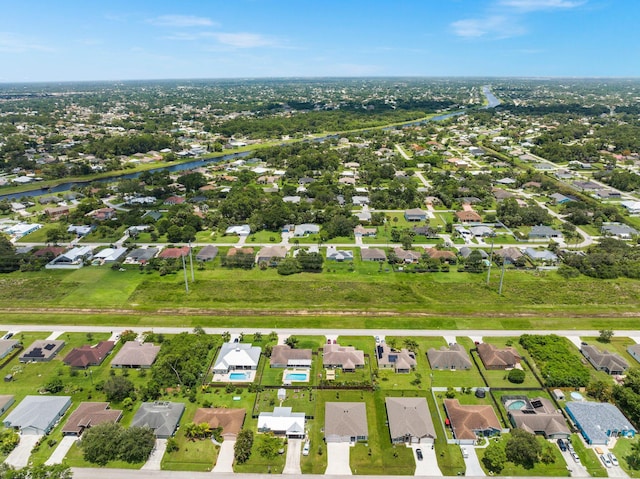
(260, 464)
(622, 450)
(588, 457)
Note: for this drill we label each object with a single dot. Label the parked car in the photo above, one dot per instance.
(598, 450)
(613, 459)
(8, 336)
(377, 339)
(305, 449)
(465, 453)
(562, 445)
(605, 460)
(419, 454)
(575, 457)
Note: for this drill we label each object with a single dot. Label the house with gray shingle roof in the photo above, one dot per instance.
(37, 414)
(598, 421)
(345, 422)
(400, 360)
(453, 357)
(346, 358)
(410, 420)
(540, 416)
(162, 417)
(610, 363)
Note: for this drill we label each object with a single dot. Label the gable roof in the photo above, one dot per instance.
(88, 355)
(90, 414)
(209, 252)
(37, 413)
(409, 417)
(282, 419)
(163, 417)
(402, 359)
(596, 418)
(345, 419)
(229, 419)
(604, 359)
(372, 254)
(268, 252)
(468, 216)
(491, 356)
(346, 357)
(135, 354)
(449, 357)
(465, 420)
(174, 252)
(42, 350)
(236, 355)
(542, 417)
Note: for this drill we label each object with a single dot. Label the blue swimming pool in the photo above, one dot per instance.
(238, 376)
(516, 405)
(296, 377)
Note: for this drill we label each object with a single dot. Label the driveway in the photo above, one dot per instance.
(153, 463)
(19, 457)
(58, 455)
(575, 469)
(294, 449)
(225, 457)
(338, 459)
(472, 463)
(429, 464)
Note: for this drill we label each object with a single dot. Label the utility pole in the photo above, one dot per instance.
(504, 262)
(193, 277)
(490, 261)
(184, 268)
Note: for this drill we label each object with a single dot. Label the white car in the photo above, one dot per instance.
(305, 449)
(576, 458)
(465, 453)
(613, 459)
(605, 460)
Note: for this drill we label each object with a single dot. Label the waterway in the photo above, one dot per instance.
(492, 100)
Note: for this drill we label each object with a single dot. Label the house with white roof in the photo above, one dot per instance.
(237, 356)
(282, 422)
(72, 259)
(240, 230)
(37, 414)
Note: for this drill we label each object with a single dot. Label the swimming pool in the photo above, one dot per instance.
(296, 377)
(516, 405)
(238, 376)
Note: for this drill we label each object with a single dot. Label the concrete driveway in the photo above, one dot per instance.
(61, 451)
(153, 463)
(472, 463)
(19, 457)
(429, 464)
(338, 459)
(225, 457)
(294, 449)
(576, 470)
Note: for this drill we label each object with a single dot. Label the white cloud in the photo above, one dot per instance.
(13, 43)
(181, 21)
(497, 26)
(244, 40)
(532, 5)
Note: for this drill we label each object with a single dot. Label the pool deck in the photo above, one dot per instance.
(226, 377)
(286, 382)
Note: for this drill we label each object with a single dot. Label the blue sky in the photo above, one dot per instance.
(149, 39)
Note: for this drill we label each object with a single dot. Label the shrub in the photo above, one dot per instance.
(516, 376)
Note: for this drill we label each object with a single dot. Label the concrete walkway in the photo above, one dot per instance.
(19, 457)
(338, 459)
(225, 457)
(153, 463)
(61, 451)
(294, 449)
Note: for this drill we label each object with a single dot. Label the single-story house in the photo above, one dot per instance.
(465, 252)
(37, 414)
(633, 207)
(499, 194)
(407, 256)
(469, 422)
(7, 346)
(401, 361)
(291, 199)
(237, 356)
(345, 422)
(88, 355)
(481, 231)
(453, 357)
(598, 421)
(346, 358)
(361, 231)
(410, 420)
(229, 419)
(161, 416)
(372, 254)
(360, 200)
(271, 254)
(610, 363)
(415, 214)
(42, 350)
(173, 253)
(634, 351)
(72, 259)
(618, 230)
(284, 356)
(136, 355)
(544, 232)
(80, 230)
(174, 200)
(110, 255)
(141, 255)
(102, 214)
(22, 229)
(56, 212)
(543, 256)
(283, 422)
(208, 253)
(305, 229)
(495, 358)
(441, 254)
(539, 416)
(559, 199)
(240, 230)
(339, 255)
(6, 401)
(89, 414)
(509, 254)
(468, 216)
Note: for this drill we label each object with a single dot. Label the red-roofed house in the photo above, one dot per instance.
(88, 355)
(169, 253)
